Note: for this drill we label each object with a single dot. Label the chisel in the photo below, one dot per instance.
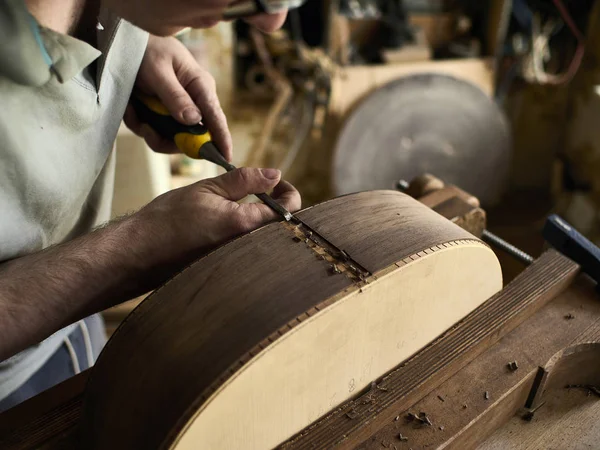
(193, 140)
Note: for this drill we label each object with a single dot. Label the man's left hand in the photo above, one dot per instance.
(170, 72)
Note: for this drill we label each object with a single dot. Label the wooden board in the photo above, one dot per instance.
(46, 421)
(417, 51)
(568, 420)
(532, 344)
(407, 384)
(563, 422)
(353, 83)
(265, 324)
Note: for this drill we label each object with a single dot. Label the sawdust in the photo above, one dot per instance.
(338, 261)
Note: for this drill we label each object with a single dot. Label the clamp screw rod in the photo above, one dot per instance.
(488, 236)
(500, 243)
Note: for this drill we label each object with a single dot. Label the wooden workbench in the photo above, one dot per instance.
(49, 421)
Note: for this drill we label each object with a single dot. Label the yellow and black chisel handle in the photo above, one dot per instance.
(193, 140)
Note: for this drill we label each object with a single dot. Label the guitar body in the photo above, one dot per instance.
(262, 337)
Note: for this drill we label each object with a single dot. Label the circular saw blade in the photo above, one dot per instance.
(425, 123)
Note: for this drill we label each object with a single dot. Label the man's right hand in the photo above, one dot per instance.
(42, 292)
(202, 216)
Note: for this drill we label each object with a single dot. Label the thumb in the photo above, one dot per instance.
(240, 183)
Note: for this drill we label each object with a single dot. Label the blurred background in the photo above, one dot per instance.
(499, 97)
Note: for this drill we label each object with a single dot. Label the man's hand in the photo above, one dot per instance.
(206, 214)
(169, 72)
(42, 292)
(167, 17)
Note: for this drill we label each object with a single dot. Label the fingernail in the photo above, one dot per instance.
(271, 174)
(191, 115)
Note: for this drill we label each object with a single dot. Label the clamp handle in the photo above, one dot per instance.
(189, 139)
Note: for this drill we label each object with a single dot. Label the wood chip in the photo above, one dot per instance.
(441, 398)
(591, 389)
(402, 438)
(486, 395)
(512, 366)
(368, 399)
(424, 419)
(352, 414)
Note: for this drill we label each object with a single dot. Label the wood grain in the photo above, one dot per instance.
(358, 337)
(185, 341)
(47, 420)
(367, 229)
(202, 305)
(532, 344)
(565, 421)
(533, 289)
(568, 420)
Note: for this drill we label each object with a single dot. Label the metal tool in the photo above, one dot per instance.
(248, 8)
(507, 247)
(486, 235)
(196, 142)
(424, 123)
(193, 140)
(574, 245)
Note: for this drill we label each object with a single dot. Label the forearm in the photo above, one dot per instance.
(43, 292)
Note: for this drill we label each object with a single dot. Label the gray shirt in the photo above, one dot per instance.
(58, 125)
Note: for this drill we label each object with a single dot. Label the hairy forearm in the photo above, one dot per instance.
(43, 292)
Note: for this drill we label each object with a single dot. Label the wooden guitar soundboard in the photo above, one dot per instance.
(277, 340)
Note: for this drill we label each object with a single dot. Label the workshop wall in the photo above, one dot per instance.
(580, 200)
